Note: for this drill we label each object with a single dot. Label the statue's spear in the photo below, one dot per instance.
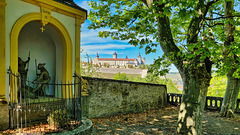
(28, 62)
(36, 66)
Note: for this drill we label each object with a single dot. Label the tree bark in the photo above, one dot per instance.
(196, 83)
(230, 97)
(196, 79)
(233, 84)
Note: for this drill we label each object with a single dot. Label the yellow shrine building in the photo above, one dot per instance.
(46, 30)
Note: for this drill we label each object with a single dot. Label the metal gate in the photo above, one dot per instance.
(34, 112)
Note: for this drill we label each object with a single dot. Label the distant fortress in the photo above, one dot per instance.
(119, 62)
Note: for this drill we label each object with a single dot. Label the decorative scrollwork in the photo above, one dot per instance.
(84, 89)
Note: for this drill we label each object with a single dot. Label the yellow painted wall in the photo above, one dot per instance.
(2, 49)
(69, 23)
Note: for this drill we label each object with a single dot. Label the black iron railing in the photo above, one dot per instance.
(41, 113)
(212, 103)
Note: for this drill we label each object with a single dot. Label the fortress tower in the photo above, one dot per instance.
(143, 60)
(115, 55)
(139, 58)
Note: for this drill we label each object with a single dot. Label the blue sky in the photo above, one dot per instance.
(105, 47)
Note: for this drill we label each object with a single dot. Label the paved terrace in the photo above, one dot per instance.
(162, 121)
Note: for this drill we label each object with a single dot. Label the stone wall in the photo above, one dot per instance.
(109, 97)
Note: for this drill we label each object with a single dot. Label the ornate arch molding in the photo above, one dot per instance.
(66, 40)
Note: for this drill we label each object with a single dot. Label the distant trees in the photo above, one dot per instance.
(150, 78)
(106, 65)
(120, 76)
(89, 70)
(143, 66)
(130, 66)
(217, 86)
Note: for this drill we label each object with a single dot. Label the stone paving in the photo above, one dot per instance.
(160, 122)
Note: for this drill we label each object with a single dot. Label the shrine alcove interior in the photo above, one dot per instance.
(45, 46)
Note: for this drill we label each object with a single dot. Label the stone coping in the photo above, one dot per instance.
(123, 81)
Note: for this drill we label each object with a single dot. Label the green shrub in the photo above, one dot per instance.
(120, 76)
(59, 118)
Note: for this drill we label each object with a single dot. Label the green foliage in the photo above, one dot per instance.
(143, 66)
(160, 66)
(127, 20)
(153, 78)
(130, 66)
(59, 118)
(106, 65)
(135, 22)
(182, 29)
(120, 76)
(90, 70)
(96, 65)
(150, 78)
(218, 86)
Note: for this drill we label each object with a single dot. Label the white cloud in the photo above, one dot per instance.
(103, 48)
(94, 52)
(91, 37)
(106, 46)
(83, 4)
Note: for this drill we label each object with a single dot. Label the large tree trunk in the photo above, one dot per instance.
(193, 102)
(195, 79)
(230, 97)
(233, 84)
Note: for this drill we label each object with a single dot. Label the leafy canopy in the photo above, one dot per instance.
(135, 22)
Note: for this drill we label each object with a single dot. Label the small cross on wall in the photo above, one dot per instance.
(42, 29)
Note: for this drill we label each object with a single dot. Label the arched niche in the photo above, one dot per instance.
(55, 26)
(43, 47)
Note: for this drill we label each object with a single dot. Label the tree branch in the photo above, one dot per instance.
(131, 22)
(223, 17)
(214, 24)
(148, 3)
(217, 13)
(210, 3)
(196, 23)
(166, 41)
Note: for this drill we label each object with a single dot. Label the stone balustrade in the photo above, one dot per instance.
(212, 103)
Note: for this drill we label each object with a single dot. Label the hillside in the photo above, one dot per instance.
(110, 72)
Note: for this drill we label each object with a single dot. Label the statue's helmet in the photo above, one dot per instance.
(41, 65)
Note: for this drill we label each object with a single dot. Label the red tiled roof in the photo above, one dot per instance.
(113, 59)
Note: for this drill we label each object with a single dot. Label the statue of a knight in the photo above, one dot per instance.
(24, 91)
(22, 70)
(42, 80)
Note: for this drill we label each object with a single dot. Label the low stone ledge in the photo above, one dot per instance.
(121, 81)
